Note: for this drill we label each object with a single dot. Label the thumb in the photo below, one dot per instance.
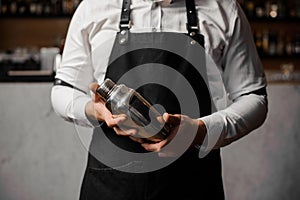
(172, 119)
(93, 87)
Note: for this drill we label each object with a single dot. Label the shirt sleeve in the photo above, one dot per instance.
(242, 74)
(76, 70)
(246, 114)
(243, 70)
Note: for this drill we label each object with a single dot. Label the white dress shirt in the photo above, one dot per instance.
(228, 40)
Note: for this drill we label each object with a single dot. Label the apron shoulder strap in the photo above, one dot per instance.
(125, 15)
(192, 18)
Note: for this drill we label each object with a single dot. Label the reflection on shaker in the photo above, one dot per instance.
(123, 100)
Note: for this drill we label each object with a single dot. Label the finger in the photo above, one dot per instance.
(123, 132)
(96, 98)
(119, 115)
(136, 139)
(151, 147)
(156, 147)
(129, 122)
(172, 119)
(93, 87)
(161, 120)
(111, 122)
(166, 116)
(93, 97)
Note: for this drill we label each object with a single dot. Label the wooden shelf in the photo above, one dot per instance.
(32, 31)
(277, 63)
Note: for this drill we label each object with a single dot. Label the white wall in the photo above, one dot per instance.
(43, 157)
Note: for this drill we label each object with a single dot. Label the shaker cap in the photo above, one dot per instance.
(105, 88)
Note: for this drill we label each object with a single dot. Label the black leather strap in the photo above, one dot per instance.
(63, 83)
(192, 18)
(125, 15)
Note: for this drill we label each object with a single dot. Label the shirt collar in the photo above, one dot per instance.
(163, 2)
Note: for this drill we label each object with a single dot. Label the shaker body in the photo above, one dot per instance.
(140, 113)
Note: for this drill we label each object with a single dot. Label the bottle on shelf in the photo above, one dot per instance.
(22, 7)
(1, 7)
(56, 7)
(13, 8)
(265, 42)
(258, 38)
(46, 8)
(76, 4)
(67, 7)
(282, 9)
(272, 49)
(288, 46)
(273, 12)
(33, 7)
(297, 8)
(36, 8)
(296, 45)
(4, 7)
(280, 43)
(250, 8)
(260, 9)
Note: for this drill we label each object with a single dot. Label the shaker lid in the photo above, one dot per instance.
(105, 88)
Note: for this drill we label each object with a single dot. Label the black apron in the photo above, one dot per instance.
(137, 57)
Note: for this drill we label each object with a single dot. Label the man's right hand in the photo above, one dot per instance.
(96, 111)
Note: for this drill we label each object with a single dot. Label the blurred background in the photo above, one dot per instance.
(43, 157)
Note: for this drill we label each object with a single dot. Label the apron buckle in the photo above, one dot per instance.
(191, 29)
(125, 26)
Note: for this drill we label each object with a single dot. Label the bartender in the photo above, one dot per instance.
(196, 59)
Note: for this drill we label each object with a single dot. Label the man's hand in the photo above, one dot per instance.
(180, 126)
(96, 111)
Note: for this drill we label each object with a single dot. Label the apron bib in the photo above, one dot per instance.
(165, 75)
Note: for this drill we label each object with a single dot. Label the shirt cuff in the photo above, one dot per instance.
(78, 112)
(215, 126)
